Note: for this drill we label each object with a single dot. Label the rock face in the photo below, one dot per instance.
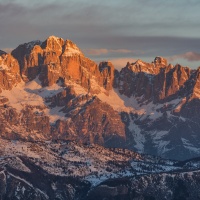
(88, 121)
(56, 59)
(159, 61)
(24, 125)
(156, 81)
(9, 71)
(94, 122)
(106, 79)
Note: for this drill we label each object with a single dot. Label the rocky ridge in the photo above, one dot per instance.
(68, 170)
(56, 59)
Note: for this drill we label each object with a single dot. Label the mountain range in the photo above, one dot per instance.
(58, 106)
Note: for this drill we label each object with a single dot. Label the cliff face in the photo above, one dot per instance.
(56, 59)
(9, 71)
(155, 81)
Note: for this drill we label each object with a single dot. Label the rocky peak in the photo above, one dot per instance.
(195, 82)
(155, 81)
(8, 63)
(25, 48)
(21, 52)
(107, 74)
(58, 45)
(160, 61)
(149, 68)
(9, 72)
(71, 49)
(29, 46)
(106, 65)
(141, 66)
(56, 58)
(53, 43)
(138, 64)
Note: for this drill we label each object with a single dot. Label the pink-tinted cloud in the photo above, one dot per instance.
(7, 50)
(121, 62)
(95, 52)
(98, 52)
(189, 56)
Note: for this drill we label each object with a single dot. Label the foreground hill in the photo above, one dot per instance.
(68, 170)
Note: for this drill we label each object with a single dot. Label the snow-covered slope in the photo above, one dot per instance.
(93, 163)
(60, 169)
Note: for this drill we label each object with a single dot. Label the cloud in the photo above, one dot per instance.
(189, 56)
(97, 52)
(7, 50)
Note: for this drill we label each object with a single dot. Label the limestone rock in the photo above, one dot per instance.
(155, 81)
(56, 59)
(94, 122)
(160, 61)
(107, 75)
(9, 72)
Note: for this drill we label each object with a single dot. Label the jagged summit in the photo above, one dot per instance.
(149, 68)
(61, 46)
(139, 62)
(160, 61)
(53, 43)
(71, 48)
(33, 43)
(50, 59)
(53, 37)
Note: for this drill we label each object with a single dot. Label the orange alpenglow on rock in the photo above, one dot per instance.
(9, 71)
(56, 59)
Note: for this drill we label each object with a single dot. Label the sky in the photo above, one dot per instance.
(114, 30)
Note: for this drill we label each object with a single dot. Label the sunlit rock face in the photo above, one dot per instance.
(9, 71)
(56, 59)
(155, 81)
(165, 99)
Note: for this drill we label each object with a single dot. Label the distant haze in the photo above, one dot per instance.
(108, 30)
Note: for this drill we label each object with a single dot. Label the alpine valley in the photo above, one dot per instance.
(74, 130)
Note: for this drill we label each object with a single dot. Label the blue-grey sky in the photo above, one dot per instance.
(116, 30)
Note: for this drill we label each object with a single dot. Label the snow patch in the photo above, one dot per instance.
(138, 137)
(189, 146)
(34, 94)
